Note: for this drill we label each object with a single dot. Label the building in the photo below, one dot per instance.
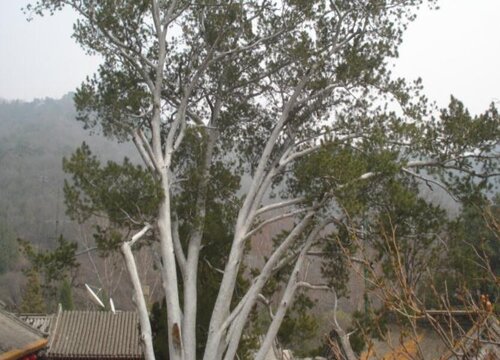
(18, 340)
(94, 335)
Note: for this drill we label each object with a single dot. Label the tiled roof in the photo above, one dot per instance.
(38, 321)
(17, 338)
(95, 334)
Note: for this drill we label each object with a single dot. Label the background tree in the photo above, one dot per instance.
(57, 269)
(473, 249)
(66, 295)
(32, 299)
(8, 248)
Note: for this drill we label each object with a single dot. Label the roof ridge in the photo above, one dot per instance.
(15, 318)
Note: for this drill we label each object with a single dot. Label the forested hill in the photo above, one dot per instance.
(34, 137)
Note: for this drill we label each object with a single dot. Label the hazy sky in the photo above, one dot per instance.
(456, 50)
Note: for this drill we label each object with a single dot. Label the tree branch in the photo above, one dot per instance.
(139, 235)
(308, 285)
(279, 205)
(274, 219)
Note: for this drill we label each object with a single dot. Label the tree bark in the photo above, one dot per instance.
(140, 303)
(191, 276)
(169, 275)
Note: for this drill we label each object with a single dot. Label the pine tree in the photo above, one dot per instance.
(33, 301)
(66, 296)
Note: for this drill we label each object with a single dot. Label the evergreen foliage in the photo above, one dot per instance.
(296, 99)
(8, 248)
(66, 296)
(56, 268)
(108, 189)
(474, 251)
(32, 299)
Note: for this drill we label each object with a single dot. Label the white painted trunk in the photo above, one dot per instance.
(246, 217)
(140, 303)
(221, 309)
(169, 275)
(191, 272)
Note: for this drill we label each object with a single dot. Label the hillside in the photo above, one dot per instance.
(34, 137)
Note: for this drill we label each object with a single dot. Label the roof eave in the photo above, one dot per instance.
(28, 349)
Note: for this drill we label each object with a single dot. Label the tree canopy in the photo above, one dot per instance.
(270, 110)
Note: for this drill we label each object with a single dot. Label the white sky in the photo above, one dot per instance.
(456, 50)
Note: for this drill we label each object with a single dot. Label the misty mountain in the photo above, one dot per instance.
(34, 137)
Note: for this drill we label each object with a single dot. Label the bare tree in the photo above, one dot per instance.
(461, 318)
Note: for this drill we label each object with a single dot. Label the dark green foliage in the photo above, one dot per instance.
(335, 267)
(299, 327)
(327, 169)
(108, 189)
(32, 297)
(222, 202)
(158, 318)
(103, 94)
(55, 266)
(108, 238)
(474, 251)
(457, 131)
(8, 248)
(368, 325)
(407, 230)
(125, 194)
(66, 295)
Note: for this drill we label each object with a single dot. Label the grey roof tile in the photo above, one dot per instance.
(95, 334)
(17, 337)
(41, 322)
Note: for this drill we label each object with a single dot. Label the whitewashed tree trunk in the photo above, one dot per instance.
(193, 254)
(140, 303)
(170, 281)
